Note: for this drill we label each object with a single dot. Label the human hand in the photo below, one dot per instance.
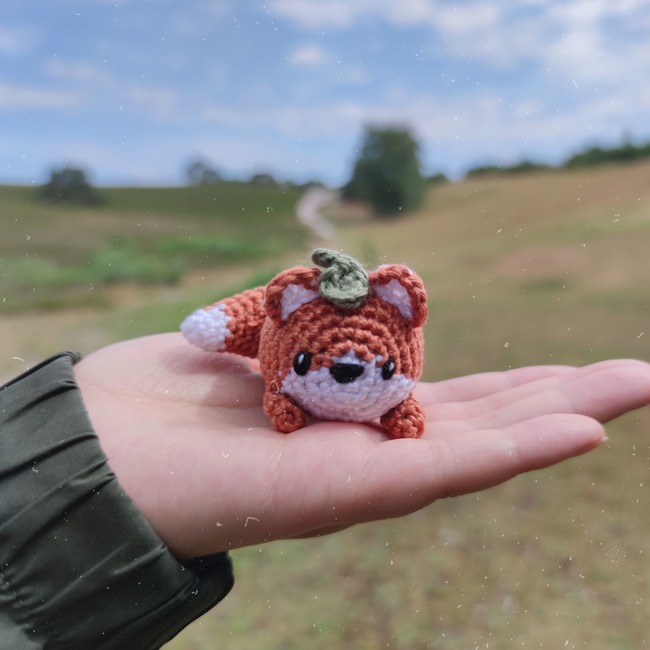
(185, 433)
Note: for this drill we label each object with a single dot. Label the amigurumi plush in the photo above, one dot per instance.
(338, 344)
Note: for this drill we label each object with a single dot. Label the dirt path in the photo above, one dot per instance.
(309, 210)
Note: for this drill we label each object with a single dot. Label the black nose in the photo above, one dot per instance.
(346, 373)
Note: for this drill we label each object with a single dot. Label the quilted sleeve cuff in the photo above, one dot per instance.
(80, 566)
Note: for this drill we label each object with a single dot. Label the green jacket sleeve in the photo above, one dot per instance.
(80, 567)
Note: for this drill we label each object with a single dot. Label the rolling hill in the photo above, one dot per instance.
(546, 267)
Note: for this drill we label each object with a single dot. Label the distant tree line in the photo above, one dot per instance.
(386, 175)
(518, 168)
(201, 172)
(71, 185)
(591, 157)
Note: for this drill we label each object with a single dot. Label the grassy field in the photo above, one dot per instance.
(550, 267)
(60, 255)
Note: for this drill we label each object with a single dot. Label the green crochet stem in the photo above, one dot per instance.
(343, 282)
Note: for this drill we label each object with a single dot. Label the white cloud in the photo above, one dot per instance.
(451, 18)
(582, 48)
(574, 14)
(308, 55)
(452, 130)
(570, 35)
(26, 97)
(77, 71)
(467, 19)
(321, 120)
(16, 41)
(160, 102)
(530, 77)
(312, 14)
(579, 56)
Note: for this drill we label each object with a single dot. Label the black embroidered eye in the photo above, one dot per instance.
(388, 369)
(301, 363)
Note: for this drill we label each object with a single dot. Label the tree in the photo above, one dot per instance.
(70, 185)
(262, 178)
(387, 172)
(199, 172)
(626, 152)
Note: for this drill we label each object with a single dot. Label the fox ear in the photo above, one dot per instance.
(403, 288)
(290, 290)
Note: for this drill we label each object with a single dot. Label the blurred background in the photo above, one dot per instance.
(156, 156)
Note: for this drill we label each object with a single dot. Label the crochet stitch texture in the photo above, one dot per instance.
(337, 344)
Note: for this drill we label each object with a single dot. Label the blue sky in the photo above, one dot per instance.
(134, 89)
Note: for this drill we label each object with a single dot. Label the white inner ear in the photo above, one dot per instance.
(396, 294)
(294, 296)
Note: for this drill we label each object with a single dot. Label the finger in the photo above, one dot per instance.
(608, 389)
(473, 387)
(484, 459)
(406, 475)
(602, 391)
(321, 532)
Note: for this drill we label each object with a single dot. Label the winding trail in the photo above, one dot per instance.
(309, 210)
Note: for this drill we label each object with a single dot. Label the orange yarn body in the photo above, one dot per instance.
(302, 341)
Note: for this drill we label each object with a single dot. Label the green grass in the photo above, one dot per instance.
(537, 268)
(159, 317)
(231, 200)
(52, 255)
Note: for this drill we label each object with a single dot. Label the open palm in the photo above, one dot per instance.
(187, 438)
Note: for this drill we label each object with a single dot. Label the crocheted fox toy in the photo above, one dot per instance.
(338, 344)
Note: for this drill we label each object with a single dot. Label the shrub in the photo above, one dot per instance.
(70, 185)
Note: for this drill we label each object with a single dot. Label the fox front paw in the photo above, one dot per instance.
(406, 420)
(286, 416)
